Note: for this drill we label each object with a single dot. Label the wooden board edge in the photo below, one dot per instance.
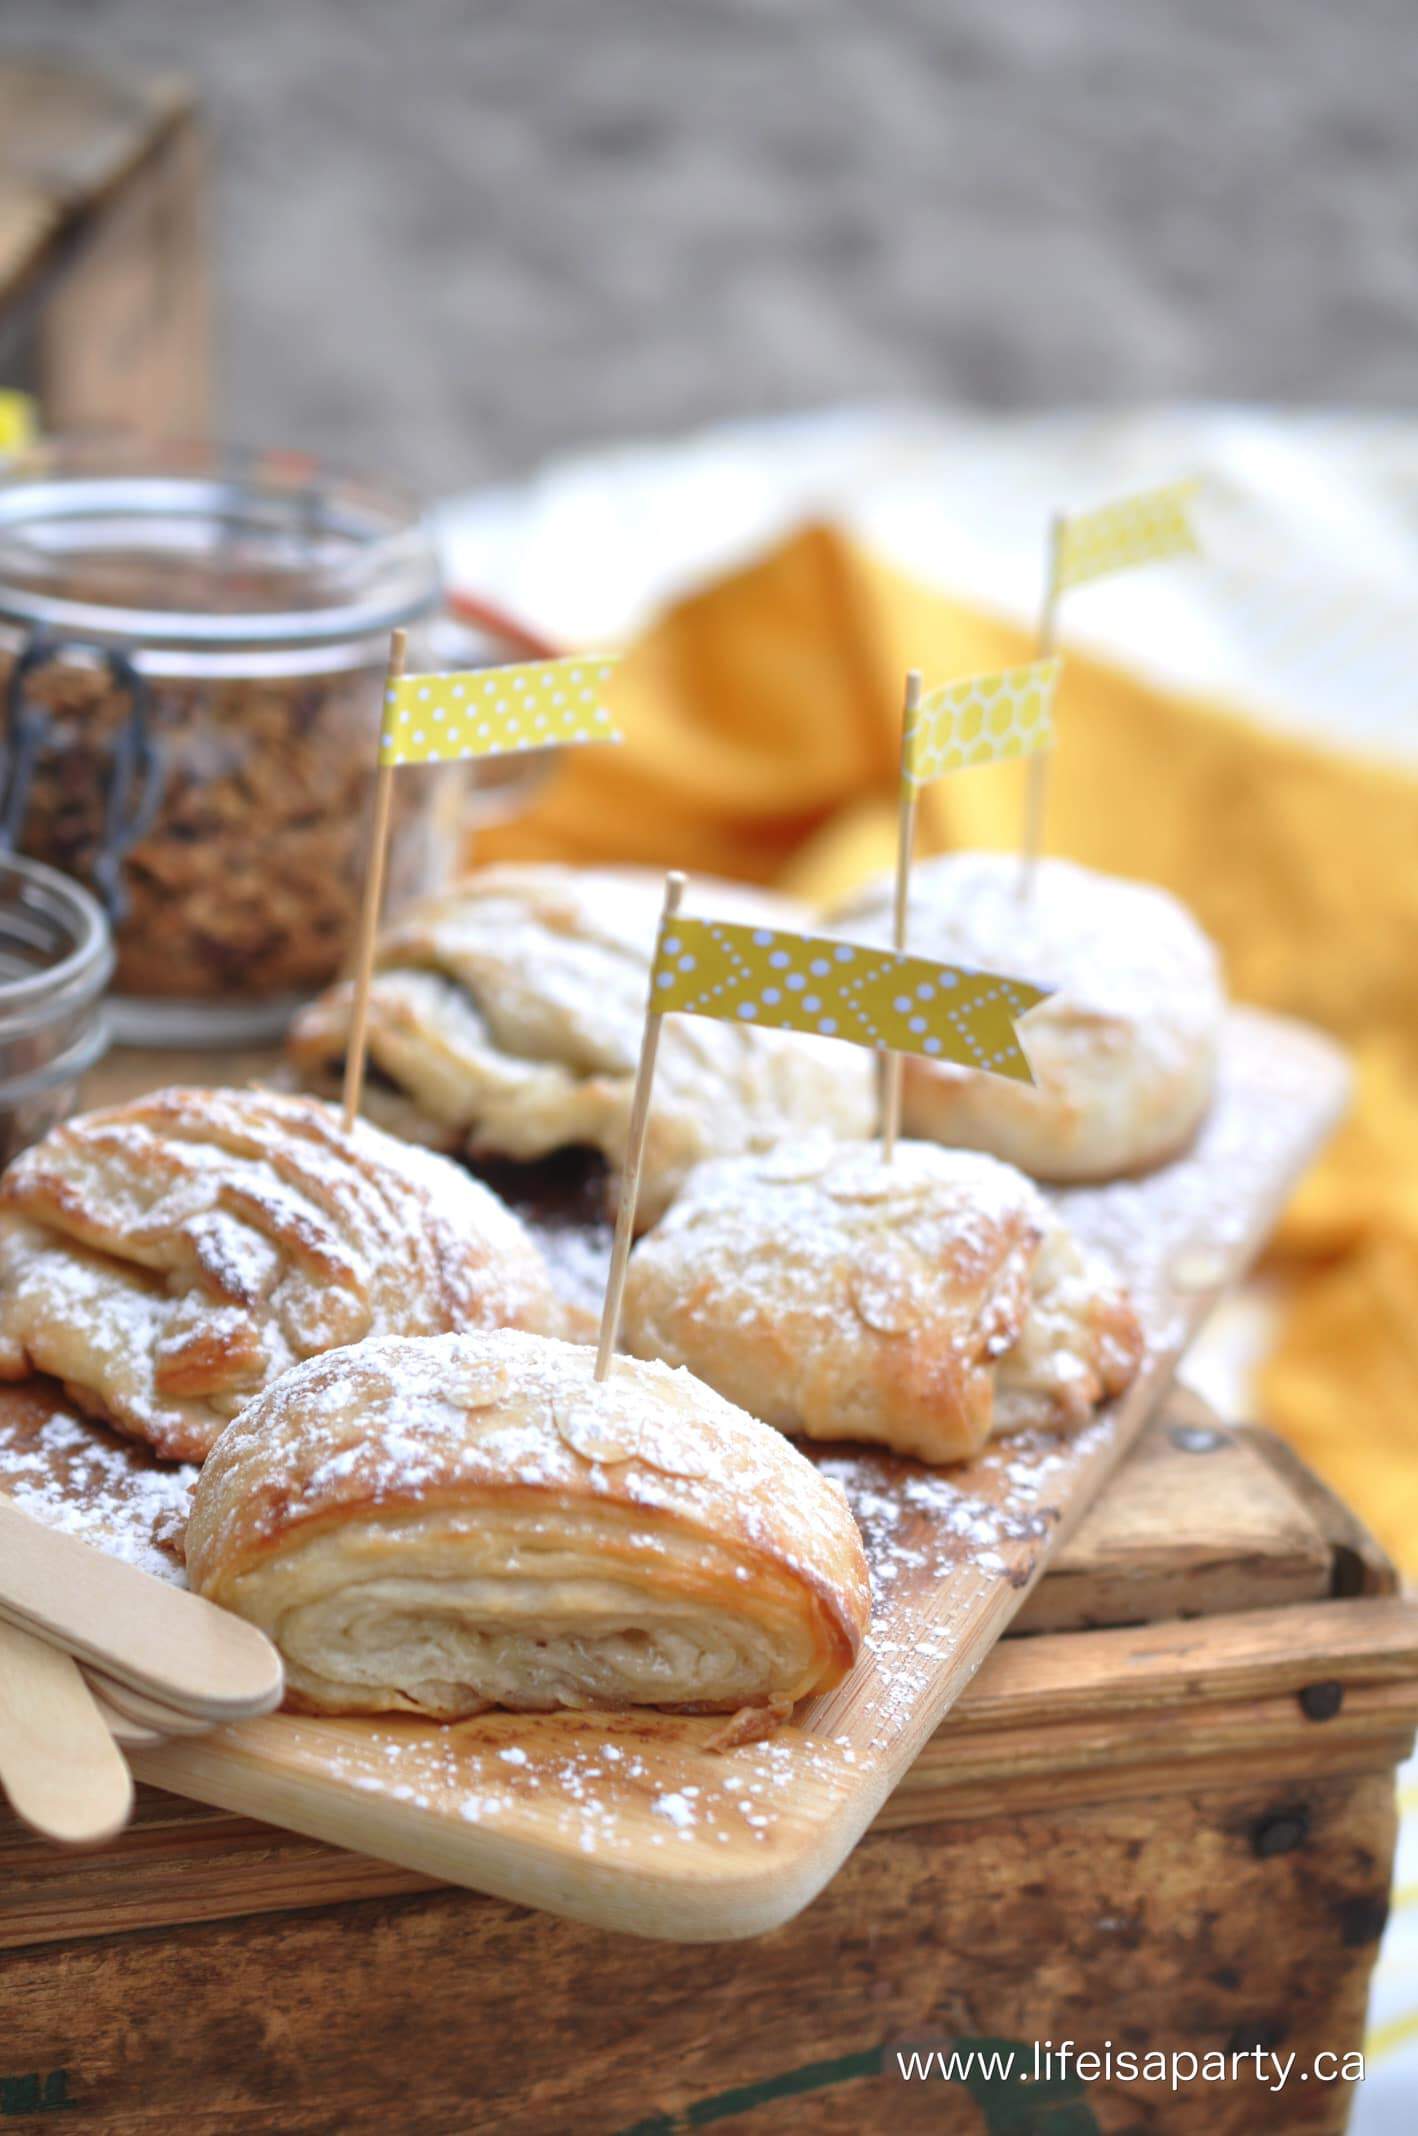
(693, 1907)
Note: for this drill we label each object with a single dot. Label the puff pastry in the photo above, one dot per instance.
(1123, 1054)
(505, 1022)
(441, 1525)
(922, 1304)
(166, 1258)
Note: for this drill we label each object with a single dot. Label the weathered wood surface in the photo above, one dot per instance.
(637, 1822)
(104, 301)
(1196, 1522)
(1242, 1915)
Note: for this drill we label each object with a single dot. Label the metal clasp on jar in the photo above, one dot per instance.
(133, 786)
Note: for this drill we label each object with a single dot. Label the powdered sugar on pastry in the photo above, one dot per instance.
(72, 1474)
(1123, 1053)
(436, 1525)
(167, 1258)
(506, 1017)
(921, 1304)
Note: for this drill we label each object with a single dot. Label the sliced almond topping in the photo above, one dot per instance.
(673, 1453)
(870, 1179)
(595, 1436)
(793, 1161)
(883, 1290)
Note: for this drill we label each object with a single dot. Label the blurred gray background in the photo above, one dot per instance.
(455, 236)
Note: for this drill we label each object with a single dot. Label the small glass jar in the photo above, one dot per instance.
(192, 646)
(56, 959)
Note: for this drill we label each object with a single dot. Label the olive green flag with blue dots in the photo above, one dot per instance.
(881, 998)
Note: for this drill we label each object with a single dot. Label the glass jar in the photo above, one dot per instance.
(192, 646)
(56, 958)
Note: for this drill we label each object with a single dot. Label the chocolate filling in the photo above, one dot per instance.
(566, 1191)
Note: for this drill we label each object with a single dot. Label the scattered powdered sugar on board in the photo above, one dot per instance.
(605, 1783)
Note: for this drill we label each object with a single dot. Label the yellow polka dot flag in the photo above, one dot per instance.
(870, 997)
(548, 704)
(18, 426)
(1131, 530)
(980, 721)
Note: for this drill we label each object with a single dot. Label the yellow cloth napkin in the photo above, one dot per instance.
(762, 719)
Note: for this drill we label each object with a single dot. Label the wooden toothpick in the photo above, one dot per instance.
(634, 1154)
(900, 910)
(373, 898)
(1037, 790)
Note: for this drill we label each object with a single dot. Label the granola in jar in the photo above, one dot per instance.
(240, 612)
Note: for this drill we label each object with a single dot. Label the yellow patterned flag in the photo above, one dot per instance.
(881, 998)
(548, 704)
(1133, 530)
(18, 427)
(981, 721)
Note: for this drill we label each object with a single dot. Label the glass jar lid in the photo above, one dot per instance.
(56, 953)
(126, 544)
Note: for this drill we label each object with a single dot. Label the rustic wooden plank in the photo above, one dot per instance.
(1360, 1565)
(1138, 1668)
(179, 1863)
(104, 298)
(27, 223)
(72, 134)
(1244, 1915)
(1197, 1522)
(1147, 1751)
(124, 338)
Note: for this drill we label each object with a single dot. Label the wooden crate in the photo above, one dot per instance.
(1162, 1815)
(103, 249)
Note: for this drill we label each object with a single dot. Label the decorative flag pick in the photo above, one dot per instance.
(439, 719)
(18, 424)
(981, 720)
(443, 719)
(832, 989)
(1142, 529)
(1128, 532)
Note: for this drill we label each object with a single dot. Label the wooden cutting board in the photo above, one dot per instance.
(639, 1822)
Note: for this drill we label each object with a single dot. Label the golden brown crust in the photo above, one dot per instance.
(166, 1258)
(921, 1304)
(506, 1016)
(441, 1524)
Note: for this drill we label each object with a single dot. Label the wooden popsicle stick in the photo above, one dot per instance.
(128, 1735)
(634, 1154)
(160, 1640)
(1037, 790)
(61, 1769)
(373, 899)
(149, 1714)
(900, 909)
